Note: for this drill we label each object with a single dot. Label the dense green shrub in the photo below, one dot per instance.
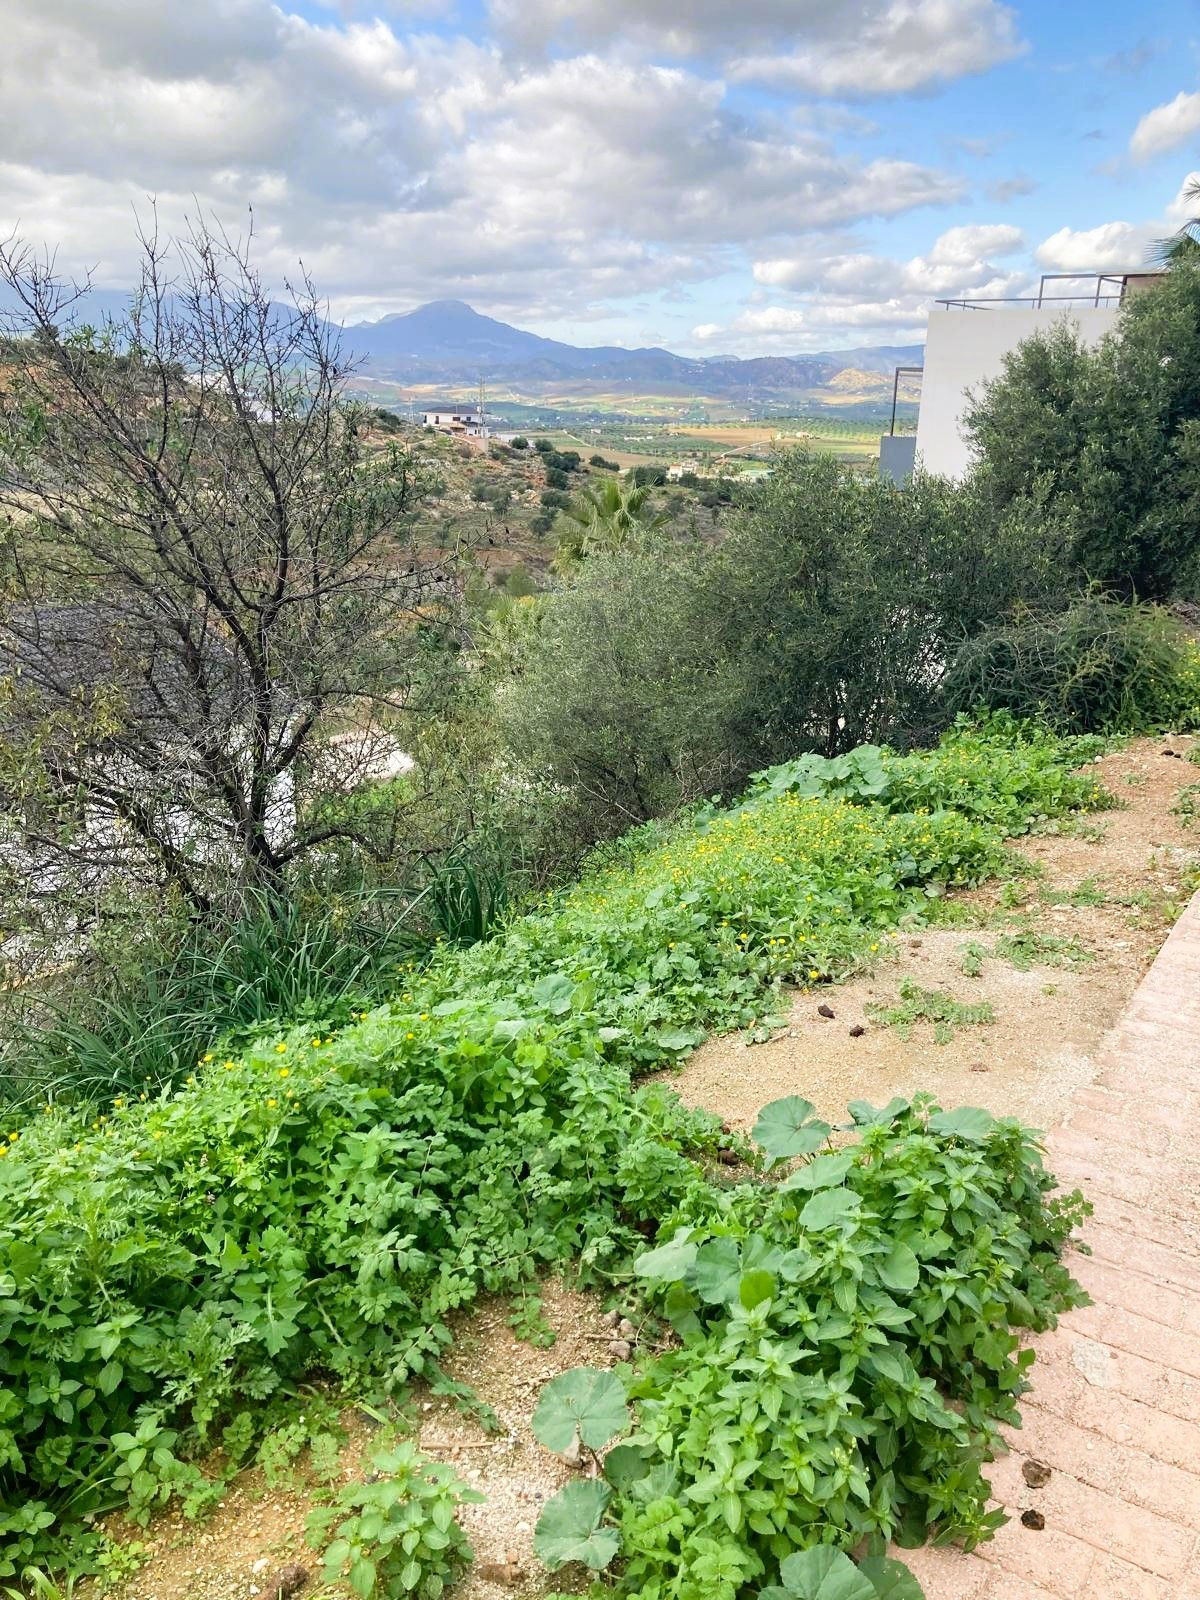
(616, 700)
(1097, 665)
(1100, 447)
(825, 619)
(320, 1202)
(848, 1344)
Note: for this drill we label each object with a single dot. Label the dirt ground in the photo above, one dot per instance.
(1112, 887)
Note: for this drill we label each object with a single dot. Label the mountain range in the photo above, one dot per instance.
(447, 341)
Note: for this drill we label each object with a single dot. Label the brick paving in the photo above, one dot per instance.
(1115, 1404)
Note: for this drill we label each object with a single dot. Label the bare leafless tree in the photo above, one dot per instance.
(214, 610)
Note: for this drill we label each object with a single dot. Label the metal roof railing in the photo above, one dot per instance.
(1104, 289)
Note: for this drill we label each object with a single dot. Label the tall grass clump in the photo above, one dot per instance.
(144, 1026)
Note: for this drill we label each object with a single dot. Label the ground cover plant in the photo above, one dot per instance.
(847, 1345)
(914, 1004)
(176, 1266)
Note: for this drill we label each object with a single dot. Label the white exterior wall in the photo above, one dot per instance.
(962, 350)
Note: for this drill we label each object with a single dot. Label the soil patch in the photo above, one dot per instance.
(258, 1530)
(1098, 900)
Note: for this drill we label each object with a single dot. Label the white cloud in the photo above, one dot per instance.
(1108, 246)
(1166, 126)
(957, 262)
(1006, 189)
(857, 294)
(901, 47)
(1114, 246)
(407, 166)
(838, 48)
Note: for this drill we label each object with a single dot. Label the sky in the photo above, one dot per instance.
(716, 176)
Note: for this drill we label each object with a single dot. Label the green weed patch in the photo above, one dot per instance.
(847, 1347)
(174, 1269)
(930, 1005)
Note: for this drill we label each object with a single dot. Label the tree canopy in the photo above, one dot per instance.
(1102, 445)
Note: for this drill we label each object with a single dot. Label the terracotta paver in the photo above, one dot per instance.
(1115, 1406)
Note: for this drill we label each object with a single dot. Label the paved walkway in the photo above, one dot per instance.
(1115, 1404)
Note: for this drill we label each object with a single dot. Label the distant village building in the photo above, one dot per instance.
(459, 423)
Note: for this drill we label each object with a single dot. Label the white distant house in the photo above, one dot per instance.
(466, 424)
(965, 346)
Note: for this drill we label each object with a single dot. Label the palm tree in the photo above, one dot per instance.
(1183, 245)
(603, 517)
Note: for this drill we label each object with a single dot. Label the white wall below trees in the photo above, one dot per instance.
(965, 348)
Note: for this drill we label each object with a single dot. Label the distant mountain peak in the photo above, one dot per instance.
(449, 341)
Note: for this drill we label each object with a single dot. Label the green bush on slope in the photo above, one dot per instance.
(847, 1348)
(1097, 666)
(319, 1205)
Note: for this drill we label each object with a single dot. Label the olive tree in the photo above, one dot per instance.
(826, 617)
(1102, 444)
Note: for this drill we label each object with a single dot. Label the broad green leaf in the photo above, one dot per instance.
(900, 1270)
(677, 1038)
(787, 1128)
(829, 1206)
(755, 1287)
(625, 1464)
(554, 991)
(866, 1115)
(968, 1122)
(718, 1271)
(585, 1402)
(569, 1528)
(891, 1579)
(798, 1266)
(822, 1172)
(669, 1263)
(362, 1577)
(680, 1310)
(824, 1574)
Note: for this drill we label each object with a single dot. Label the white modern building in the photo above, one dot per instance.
(965, 346)
(471, 423)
